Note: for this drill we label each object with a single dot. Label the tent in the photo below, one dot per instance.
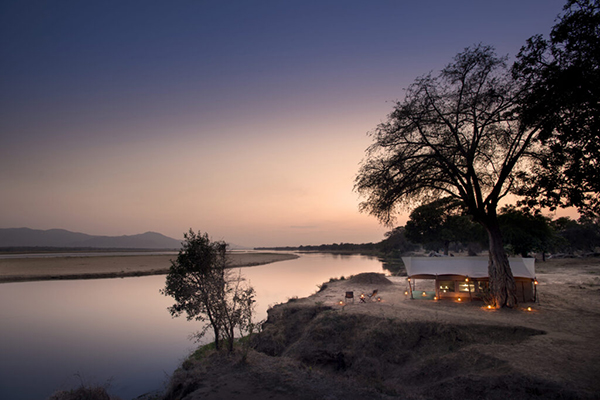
(467, 277)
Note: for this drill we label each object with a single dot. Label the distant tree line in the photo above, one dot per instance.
(394, 244)
(444, 226)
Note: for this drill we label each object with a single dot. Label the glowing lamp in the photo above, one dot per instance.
(406, 292)
(424, 294)
(435, 297)
(467, 279)
(489, 307)
(535, 281)
(341, 303)
(459, 299)
(379, 299)
(408, 279)
(362, 296)
(528, 308)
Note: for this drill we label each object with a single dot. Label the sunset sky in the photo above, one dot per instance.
(243, 119)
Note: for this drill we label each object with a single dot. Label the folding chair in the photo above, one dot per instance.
(350, 295)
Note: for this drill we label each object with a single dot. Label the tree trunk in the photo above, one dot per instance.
(231, 337)
(216, 330)
(446, 247)
(502, 283)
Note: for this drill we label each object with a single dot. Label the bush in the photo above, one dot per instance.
(84, 393)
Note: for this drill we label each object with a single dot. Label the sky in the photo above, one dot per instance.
(244, 119)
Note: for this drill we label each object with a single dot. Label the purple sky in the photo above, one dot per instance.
(244, 119)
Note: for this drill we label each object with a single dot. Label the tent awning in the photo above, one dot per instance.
(474, 267)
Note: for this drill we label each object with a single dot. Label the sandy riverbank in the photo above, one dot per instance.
(35, 269)
(418, 349)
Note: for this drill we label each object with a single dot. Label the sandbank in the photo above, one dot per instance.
(96, 267)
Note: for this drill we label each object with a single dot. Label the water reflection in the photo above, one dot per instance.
(120, 328)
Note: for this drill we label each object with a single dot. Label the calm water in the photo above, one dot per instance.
(53, 335)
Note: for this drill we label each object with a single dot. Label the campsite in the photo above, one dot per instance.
(323, 346)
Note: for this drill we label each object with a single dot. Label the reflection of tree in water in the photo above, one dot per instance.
(394, 265)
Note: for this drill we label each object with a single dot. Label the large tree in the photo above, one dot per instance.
(562, 78)
(457, 134)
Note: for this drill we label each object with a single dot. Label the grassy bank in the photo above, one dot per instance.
(319, 353)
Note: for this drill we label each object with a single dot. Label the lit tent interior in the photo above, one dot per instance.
(466, 277)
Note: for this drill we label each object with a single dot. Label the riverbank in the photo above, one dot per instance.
(96, 267)
(315, 348)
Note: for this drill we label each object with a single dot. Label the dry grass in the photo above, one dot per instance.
(403, 358)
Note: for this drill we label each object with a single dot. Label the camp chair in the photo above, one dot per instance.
(372, 295)
(350, 295)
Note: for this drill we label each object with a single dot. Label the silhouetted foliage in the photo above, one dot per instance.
(205, 290)
(396, 243)
(577, 236)
(437, 224)
(457, 134)
(524, 232)
(562, 78)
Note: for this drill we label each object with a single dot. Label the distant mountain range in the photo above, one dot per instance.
(25, 237)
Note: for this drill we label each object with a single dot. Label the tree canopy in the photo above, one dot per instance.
(561, 79)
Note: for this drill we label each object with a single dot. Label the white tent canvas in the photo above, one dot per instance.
(474, 267)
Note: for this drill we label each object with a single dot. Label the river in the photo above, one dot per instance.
(58, 334)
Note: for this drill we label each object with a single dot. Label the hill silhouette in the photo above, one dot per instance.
(61, 238)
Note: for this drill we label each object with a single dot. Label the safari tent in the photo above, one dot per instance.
(467, 277)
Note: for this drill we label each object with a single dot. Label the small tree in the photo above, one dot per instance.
(525, 232)
(396, 242)
(439, 223)
(205, 290)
